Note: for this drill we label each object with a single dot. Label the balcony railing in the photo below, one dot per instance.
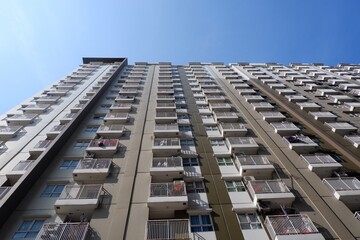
(167, 162)
(81, 192)
(241, 140)
(342, 184)
(167, 142)
(22, 166)
(43, 144)
(104, 143)
(176, 229)
(252, 160)
(101, 163)
(267, 186)
(289, 225)
(166, 127)
(3, 191)
(63, 231)
(111, 128)
(177, 188)
(22, 117)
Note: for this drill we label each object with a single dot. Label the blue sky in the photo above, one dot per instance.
(41, 41)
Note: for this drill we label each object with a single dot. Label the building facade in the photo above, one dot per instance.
(198, 151)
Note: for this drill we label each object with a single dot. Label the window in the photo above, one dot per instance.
(69, 164)
(104, 107)
(206, 116)
(187, 142)
(183, 117)
(180, 107)
(189, 162)
(217, 143)
(201, 223)
(249, 221)
(235, 186)
(91, 129)
(195, 187)
(81, 144)
(224, 161)
(99, 116)
(29, 228)
(185, 128)
(52, 190)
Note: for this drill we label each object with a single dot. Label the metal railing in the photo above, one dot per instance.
(117, 115)
(22, 166)
(92, 191)
(166, 114)
(177, 229)
(22, 116)
(243, 160)
(267, 186)
(104, 143)
(342, 184)
(43, 144)
(164, 127)
(318, 158)
(120, 105)
(289, 225)
(167, 142)
(176, 188)
(101, 163)
(167, 162)
(111, 128)
(63, 231)
(232, 126)
(241, 140)
(9, 129)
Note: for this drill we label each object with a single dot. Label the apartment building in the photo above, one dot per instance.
(201, 151)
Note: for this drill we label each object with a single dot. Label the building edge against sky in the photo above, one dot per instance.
(197, 151)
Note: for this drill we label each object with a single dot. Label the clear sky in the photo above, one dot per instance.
(41, 41)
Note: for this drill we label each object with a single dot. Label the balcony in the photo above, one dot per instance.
(47, 99)
(324, 116)
(246, 91)
(166, 117)
(272, 116)
(8, 132)
(85, 99)
(341, 128)
(165, 107)
(326, 92)
(241, 86)
(246, 145)
(348, 86)
(220, 107)
(352, 106)
(277, 85)
(20, 119)
(308, 106)
(128, 92)
(57, 92)
(166, 168)
(292, 227)
(353, 139)
(322, 164)
(171, 196)
(169, 229)
(103, 147)
(165, 99)
(77, 107)
(166, 130)
(286, 92)
(18, 171)
(212, 91)
(262, 106)
(36, 108)
(56, 130)
(4, 191)
(270, 194)
(340, 98)
(232, 130)
(124, 99)
(92, 170)
(215, 98)
(285, 128)
(296, 98)
(300, 143)
(253, 98)
(78, 199)
(120, 107)
(63, 231)
(66, 86)
(166, 146)
(345, 189)
(40, 147)
(165, 92)
(111, 131)
(254, 165)
(225, 116)
(116, 118)
(67, 118)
